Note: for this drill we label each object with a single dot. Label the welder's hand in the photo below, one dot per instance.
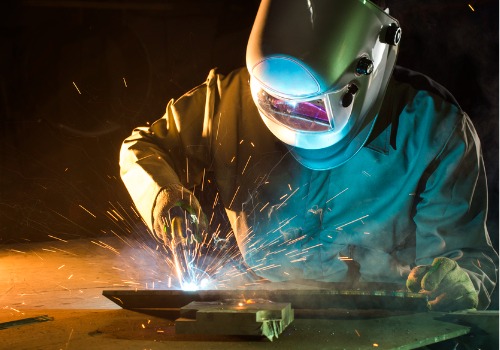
(447, 285)
(178, 217)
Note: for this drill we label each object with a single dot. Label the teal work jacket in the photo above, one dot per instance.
(415, 191)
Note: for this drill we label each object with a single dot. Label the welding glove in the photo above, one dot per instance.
(178, 217)
(447, 285)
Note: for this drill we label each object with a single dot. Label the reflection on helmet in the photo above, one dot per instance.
(319, 70)
(299, 115)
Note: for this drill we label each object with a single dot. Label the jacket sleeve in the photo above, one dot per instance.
(452, 210)
(174, 150)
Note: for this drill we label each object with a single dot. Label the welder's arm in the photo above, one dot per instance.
(456, 264)
(171, 155)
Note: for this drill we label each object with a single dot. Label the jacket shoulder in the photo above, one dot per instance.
(422, 83)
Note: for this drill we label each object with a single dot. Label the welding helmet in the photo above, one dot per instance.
(318, 74)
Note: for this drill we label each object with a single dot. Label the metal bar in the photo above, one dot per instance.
(25, 321)
(299, 299)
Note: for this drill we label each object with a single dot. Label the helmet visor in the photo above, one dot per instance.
(310, 115)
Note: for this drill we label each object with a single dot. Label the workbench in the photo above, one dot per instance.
(125, 329)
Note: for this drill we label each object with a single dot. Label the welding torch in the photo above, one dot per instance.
(182, 233)
(181, 226)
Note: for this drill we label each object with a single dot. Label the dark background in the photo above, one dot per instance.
(77, 76)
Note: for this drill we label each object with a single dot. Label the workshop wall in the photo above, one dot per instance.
(77, 76)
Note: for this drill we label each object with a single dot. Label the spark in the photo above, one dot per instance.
(268, 267)
(297, 260)
(112, 216)
(131, 282)
(125, 82)
(290, 196)
(298, 253)
(359, 335)
(16, 251)
(241, 141)
(81, 206)
(285, 223)
(117, 214)
(106, 246)
(60, 267)
(261, 209)
(49, 250)
(314, 246)
(375, 345)
(146, 157)
(187, 170)
(76, 87)
(235, 193)
(248, 161)
(64, 251)
(59, 239)
(119, 237)
(143, 326)
(252, 144)
(121, 301)
(277, 252)
(70, 276)
(290, 187)
(69, 338)
(296, 239)
(203, 180)
(345, 258)
(232, 159)
(338, 194)
(283, 196)
(211, 218)
(218, 125)
(135, 211)
(472, 8)
(358, 219)
(64, 288)
(366, 173)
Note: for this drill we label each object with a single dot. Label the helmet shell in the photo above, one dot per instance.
(301, 50)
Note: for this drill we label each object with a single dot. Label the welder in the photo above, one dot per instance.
(333, 164)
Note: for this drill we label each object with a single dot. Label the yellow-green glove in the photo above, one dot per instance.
(447, 285)
(178, 217)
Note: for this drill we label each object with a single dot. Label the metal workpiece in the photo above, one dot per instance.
(300, 299)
